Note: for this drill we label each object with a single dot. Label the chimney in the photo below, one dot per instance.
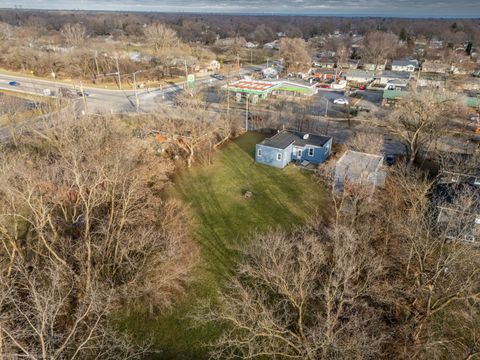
(305, 137)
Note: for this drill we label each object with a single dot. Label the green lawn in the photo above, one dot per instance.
(225, 221)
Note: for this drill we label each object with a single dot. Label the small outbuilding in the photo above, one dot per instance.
(359, 169)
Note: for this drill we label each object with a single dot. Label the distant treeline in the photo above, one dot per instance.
(205, 28)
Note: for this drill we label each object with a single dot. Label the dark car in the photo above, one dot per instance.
(218, 76)
(14, 83)
(390, 159)
(81, 94)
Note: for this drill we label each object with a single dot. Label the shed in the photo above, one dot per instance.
(360, 169)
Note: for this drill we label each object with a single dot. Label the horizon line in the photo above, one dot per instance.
(337, 15)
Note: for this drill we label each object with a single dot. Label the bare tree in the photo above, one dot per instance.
(300, 297)
(295, 54)
(6, 31)
(192, 126)
(439, 279)
(371, 143)
(79, 236)
(161, 36)
(378, 46)
(419, 121)
(74, 34)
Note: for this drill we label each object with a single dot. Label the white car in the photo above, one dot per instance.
(340, 101)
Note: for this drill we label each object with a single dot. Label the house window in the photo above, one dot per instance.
(310, 151)
(259, 153)
(279, 156)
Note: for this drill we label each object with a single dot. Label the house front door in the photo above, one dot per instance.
(299, 154)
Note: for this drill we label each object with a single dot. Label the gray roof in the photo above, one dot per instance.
(359, 73)
(404, 62)
(355, 163)
(286, 137)
(396, 74)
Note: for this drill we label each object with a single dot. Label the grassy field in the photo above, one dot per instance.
(225, 222)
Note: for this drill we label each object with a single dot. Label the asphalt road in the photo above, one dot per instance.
(101, 100)
(106, 100)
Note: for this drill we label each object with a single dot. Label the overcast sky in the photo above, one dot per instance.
(408, 8)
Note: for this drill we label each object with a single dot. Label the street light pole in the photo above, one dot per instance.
(228, 101)
(246, 115)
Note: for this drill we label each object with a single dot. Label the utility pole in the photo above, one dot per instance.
(228, 101)
(418, 78)
(326, 108)
(246, 114)
(83, 97)
(186, 73)
(118, 73)
(96, 63)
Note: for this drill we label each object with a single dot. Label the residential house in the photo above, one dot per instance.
(349, 64)
(287, 146)
(404, 65)
(213, 65)
(359, 169)
(435, 66)
(271, 45)
(359, 76)
(432, 80)
(327, 74)
(396, 84)
(463, 65)
(436, 44)
(388, 76)
(457, 199)
(325, 63)
(373, 67)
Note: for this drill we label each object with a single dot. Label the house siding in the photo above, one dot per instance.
(269, 156)
(320, 153)
(290, 153)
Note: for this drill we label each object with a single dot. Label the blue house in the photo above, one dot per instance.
(287, 146)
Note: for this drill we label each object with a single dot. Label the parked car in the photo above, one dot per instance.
(79, 93)
(14, 83)
(340, 101)
(363, 108)
(218, 76)
(390, 159)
